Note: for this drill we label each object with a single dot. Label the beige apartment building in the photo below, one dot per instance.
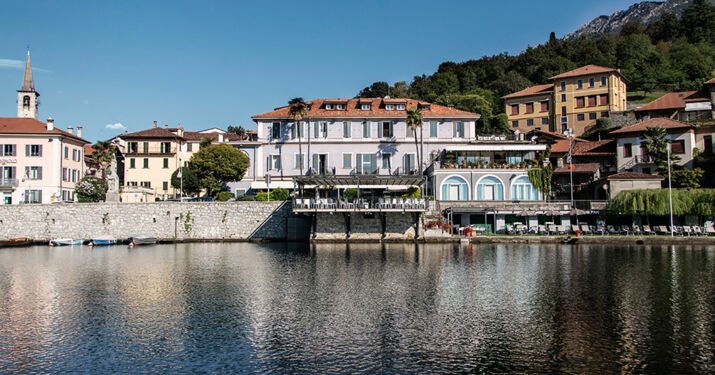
(573, 100)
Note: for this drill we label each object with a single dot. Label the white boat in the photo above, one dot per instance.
(66, 242)
(142, 239)
(103, 241)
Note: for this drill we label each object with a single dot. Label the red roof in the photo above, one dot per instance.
(660, 122)
(377, 109)
(579, 168)
(671, 100)
(151, 133)
(562, 145)
(710, 81)
(603, 147)
(17, 125)
(533, 90)
(634, 176)
(88, 150)
(585, 70)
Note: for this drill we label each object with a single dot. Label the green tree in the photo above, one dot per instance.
(190, 181)
(279, 194)
(206, 141)
(375, 90)
(297, 109)
(414, 121)
(683, 177)
(223, 196)
(215, 165)
(103, 154)
(657, 148)
(91, 189)
(240, 131)
(699, 22)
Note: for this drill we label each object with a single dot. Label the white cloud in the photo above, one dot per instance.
(117, 126)
(18, 64)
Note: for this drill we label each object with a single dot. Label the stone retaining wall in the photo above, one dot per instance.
(165, 220)
(369, 228)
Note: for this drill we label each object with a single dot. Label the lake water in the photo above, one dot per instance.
(223, 308)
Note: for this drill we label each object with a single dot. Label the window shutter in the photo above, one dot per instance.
(27, 150)
(40, 147)
(454, 129)
(39, 173)
(316, 162)
(27, 172)
(358, 162)
(39, 196)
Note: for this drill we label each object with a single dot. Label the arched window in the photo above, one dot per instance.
(455, 188)
(523, 190)
(490, 188)
(26, 101)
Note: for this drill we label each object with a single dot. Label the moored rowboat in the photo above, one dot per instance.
(103, 241)
(66, 242)
(142, 239)
(16, 242)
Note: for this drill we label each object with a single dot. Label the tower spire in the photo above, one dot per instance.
(27, 83)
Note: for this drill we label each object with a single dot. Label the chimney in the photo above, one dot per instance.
(155, 124)
(166, 126)
(79, 131)
(50, 124)
(70, 129)
(180, 131)
(220, 138)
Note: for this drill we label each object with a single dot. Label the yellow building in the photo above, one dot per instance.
(577, 99)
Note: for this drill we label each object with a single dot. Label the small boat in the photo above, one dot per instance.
(569, 239)
(103, 241)
(66, 242)
(142, 239)
(16, 242)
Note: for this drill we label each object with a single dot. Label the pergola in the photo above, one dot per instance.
(357, 181)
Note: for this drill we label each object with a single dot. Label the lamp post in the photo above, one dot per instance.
(670, 191)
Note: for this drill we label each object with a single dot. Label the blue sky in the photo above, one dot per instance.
(211, 63)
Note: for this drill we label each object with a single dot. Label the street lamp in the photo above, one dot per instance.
(670, 191)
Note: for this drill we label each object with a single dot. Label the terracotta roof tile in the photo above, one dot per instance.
(197, 136)
(377, 109)
(579, 168)
(660, 122)
(710, 81)
(585, 70)
(151, 133)
(671, 100)
(17, 125)
(595, 148)
(562, 145)
(533, 90)
(634, 176)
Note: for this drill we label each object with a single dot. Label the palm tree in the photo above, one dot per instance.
(103, 154)
(414, 121)
(297, 109)
(656, 145)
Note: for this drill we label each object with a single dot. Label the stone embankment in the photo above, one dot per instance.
(181, 221)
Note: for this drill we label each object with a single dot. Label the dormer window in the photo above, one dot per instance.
(390, 107)
(329, 107)
(400, 107)
(340, 107)
(425, 107)
(365, 106)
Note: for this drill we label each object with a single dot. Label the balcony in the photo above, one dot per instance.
(311, 205)
(152, 150)
(8, 182)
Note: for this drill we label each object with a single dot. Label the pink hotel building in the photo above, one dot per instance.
(38, 162)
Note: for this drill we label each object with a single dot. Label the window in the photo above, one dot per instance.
(408, 163)
(34, 173)
(145, 147)
(165, 147)
(389, 107)
(346, 129)
(276, 130)
(529, 107)
(348, 161)
(146, 163)
(274, 163)
(298, 161)
(321, 130)
(604, 114)
(530, 122)
(592, 116)
(544, 121)
(400, 107)
(26, 101)
(8, 150)
(410, 131)
(165, 185)
(514, 109)
(603, 81)
(627, 150)
(132, 163)
(166, 163)
(387, 160)
(523, 190)
(75, 175)
(580, 117)
(75, 155)
(563, 97)
(459, 129)
(563, 111)
(433, 129)
(490, 188)
(591, 82)
(146, 184)
(365, 129)
(603, 99)
(366, 163)
(677, 147)
(515, 124)
(33, 196)
(33, 150)
(65, 174)
(365, 107)
(189, 147)
(67, 152)
(708, 144)
(455, 188)
(579, 84)
(592, 101)
(580, 102)
(340, 107)
(386, 129)
(132, 147)
(545, 106)
(329, 107)
(240, 192)
(563, 86)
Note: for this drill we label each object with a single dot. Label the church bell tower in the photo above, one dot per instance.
(27, 102)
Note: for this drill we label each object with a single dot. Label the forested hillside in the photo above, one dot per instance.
(669, 54)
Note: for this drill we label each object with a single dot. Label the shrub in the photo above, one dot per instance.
(91, 189)
(412, 192)
(279, 194)
(246, 198)
(262, 196)
(350, 194)
(223, 196)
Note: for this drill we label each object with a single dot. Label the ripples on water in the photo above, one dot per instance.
(289, 307)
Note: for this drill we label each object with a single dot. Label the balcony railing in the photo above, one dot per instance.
(152, 150)
(360, 205)
(8, 182)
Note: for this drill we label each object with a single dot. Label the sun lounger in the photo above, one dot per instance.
(625, 230)
(585, 229)
(636, 230)
(575, 228)
(687, 230)
(646, 230)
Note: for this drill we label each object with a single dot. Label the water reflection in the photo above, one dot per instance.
(358, 308)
